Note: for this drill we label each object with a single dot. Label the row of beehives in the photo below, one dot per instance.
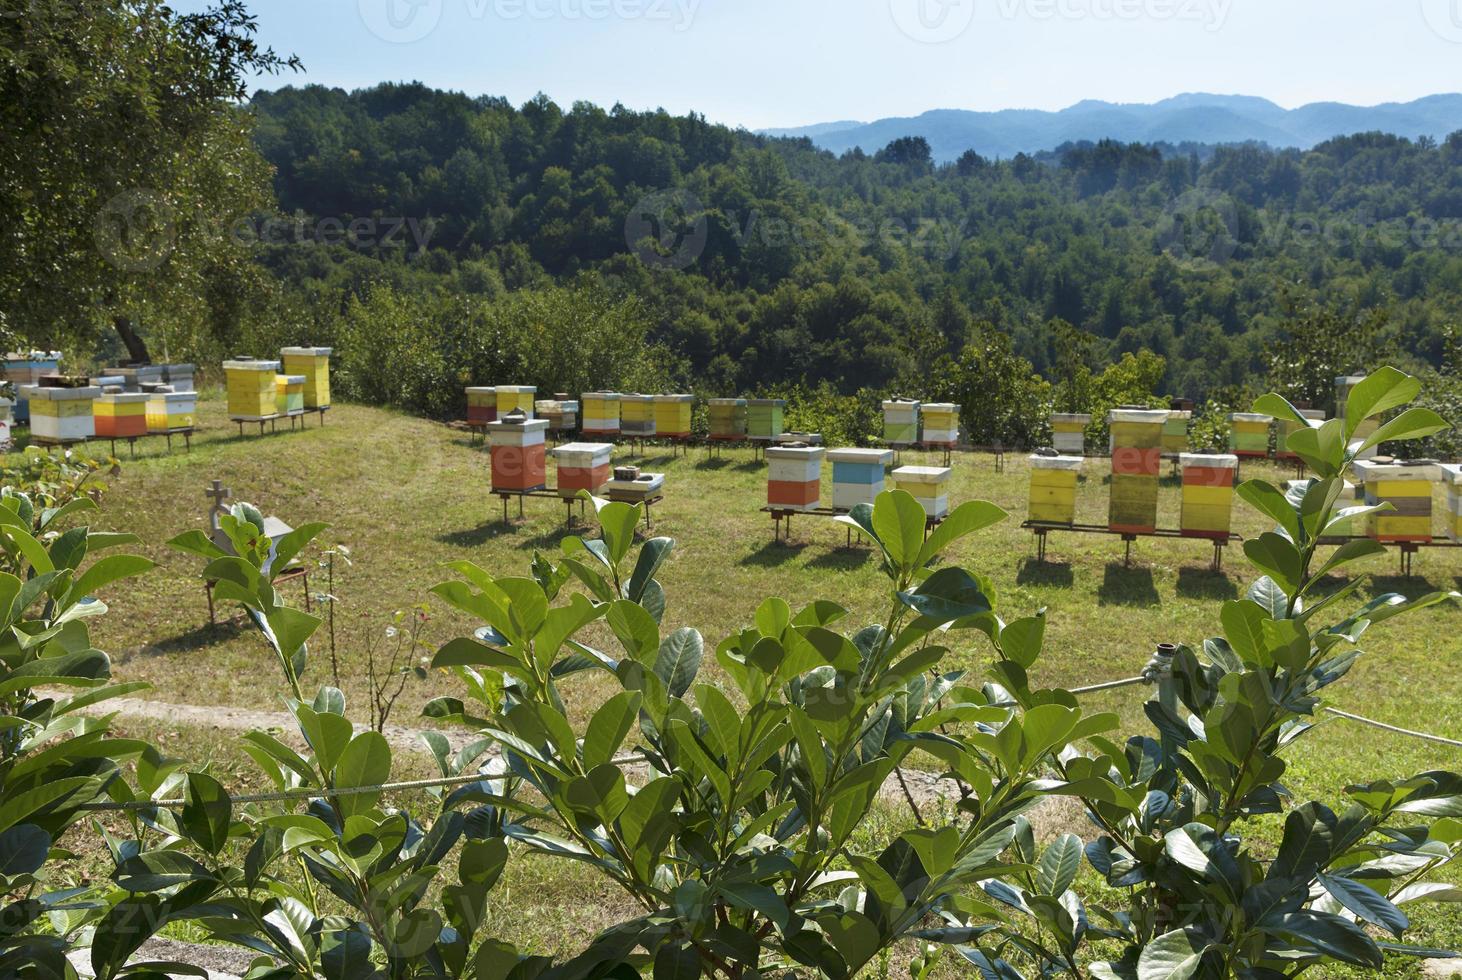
(1250, 434)
(519, 453)
(794, 479)
(121, 403)
(42, 369)
(259, 390)
(911, 423)
(1208, 488)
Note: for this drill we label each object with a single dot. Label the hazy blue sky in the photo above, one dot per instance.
(763, 63)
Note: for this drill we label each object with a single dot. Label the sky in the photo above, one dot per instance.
(776, 63)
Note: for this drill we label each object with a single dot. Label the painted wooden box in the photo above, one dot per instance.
(728, 418)
(637, 416)
(481, 405)
(519, 398)
(289, 394)
(901, 422)
(941, 425)
(1208, 495)
(61, 415)
(1068, 433)
(1314, 418)
(1053, 489)
(859, 475)
(1451, 476)
(561, 415)
(1407, 487)
(120, 415)
(672, 416)
(794, 477)
(314, 364)
(929, 485)
(1175, 432)
(251, 389)
(1249, 435)
(601, 410)
(1136, 463)
(179, 377)
(25, 369)
(634, 487)
(582, 466)
(171, 411)
(519, 461)
(765, 418)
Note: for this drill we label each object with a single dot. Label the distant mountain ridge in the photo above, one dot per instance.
(1190, 118)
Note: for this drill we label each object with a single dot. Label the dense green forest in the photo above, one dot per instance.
(438, 240)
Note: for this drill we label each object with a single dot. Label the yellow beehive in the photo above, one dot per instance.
(1249, 434)
(672, 415)
(941, 424)
(929, 485)
(314, 364)
(1053, 488)
(251, 389)
(1175, 433)
(516, 397)
(600, 413)
(1408, 489)
(1068, 433)
(289, 394)
(1208, 495)
(170, 411)
(1451, 474)
(637, 415)
(728, 419)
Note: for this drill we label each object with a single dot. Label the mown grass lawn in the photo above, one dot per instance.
(406, 495)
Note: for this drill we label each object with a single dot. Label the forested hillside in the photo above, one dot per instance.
(862, 270)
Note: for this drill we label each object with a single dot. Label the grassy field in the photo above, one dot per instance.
(406, 495)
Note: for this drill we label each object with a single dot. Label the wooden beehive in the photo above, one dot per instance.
(1053, 488)
(1249, 435)
(582, 466)
(519, 398)
(1407, 487)
(481, 405)
(672, 415)
(26, 369)
(794, 477)
(1451, 477)
(901, 422)
(560, 414)
(1208, 495)
(940, 425)
(314, 364)
(601, 413)
(728, 418)
(638, 488)
(637, 416)
(929, 485)
(120, 415)
(1343, 388)
(171, 411)
(252, 392)
(859, 475)
(765, 418)
(1068, 433)
(61, 415)
(519, 462)
(1175, 432)
(289, 394)
(1136, 463)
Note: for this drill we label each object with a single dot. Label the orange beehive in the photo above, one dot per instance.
(519, 461)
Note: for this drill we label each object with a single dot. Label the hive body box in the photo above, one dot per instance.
(582, 466)
(1343, 388)
(637, 490)
(941, 425)
(1053, 488)
(601, 413)
(672, 415)
(289, 394)
(728, 419)
(516, 398)
(637, 416)
(481, 405)
(1314, 418)
(179, 377)
(251, 389)
(1175, 433)
(765, 418)
(901, 422)
(1451, 474)
(1249, 435)
(858, 475)
(61, 414)
(1406, 488)
(1136, 462)
(794, 477)
(24, 370)
(928, 485)
(121, 416)
(562, 416)
(171, 411)
(1208, 495)
(314, 364)
(133, 378)
(1068, 433)
(519, 462)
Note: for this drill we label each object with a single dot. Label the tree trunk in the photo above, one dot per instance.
(136, 346)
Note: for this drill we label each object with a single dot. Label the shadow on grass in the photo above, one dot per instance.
(751, 465)
(1204, 583)
(1413, 588)
(842, 559)
(774, 554)
(1033, 571)
(552, 538)
(714, 463)
(476, 537)
(1123, 586)
(230, 625)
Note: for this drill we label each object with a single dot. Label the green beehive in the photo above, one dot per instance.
(764, 418)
